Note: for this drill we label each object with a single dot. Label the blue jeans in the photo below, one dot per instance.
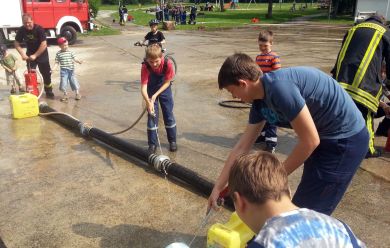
(68, 75)
(166, 101)
(328, 172)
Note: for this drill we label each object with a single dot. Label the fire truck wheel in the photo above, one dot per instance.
(70, 34)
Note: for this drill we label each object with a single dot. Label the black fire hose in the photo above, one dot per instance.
(160, 162)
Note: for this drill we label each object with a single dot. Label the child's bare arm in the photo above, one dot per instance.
(78, 61)
(149, 104)
(162, 88)
(55, 66)
(6, 68)
(15, 66)
(144, 42)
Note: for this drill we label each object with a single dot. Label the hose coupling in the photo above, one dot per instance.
(159, 162)
(43, 104)
(84, 128)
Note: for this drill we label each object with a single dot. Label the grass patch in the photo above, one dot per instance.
(129, 7)
(346, 19)
(102, 31)
(235, 18)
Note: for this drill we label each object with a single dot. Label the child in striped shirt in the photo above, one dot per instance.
(66, 59)
(268, 61)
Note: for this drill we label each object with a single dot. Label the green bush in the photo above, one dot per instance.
(94, 6)
(114, 2)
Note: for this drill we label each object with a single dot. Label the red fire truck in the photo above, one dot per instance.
(57, 17)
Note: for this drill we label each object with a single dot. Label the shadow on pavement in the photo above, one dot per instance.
(127, 86)
(284, 141)
(211, 139)
(125, 235)
(2, 245)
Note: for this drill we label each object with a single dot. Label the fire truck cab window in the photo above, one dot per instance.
(42, 1)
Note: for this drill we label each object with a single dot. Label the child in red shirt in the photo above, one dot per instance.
(156, 75)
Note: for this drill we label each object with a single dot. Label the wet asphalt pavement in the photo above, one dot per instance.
(58, 189)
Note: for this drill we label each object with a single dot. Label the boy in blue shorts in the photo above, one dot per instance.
(156, 75)
(331, 133)
(66, 59)
(259, 187)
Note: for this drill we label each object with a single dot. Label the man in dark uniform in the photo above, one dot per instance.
(34, 37)
(358, 68)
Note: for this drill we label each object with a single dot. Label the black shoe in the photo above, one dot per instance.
(376, 154)
(382, 129)
(172, 146)
(270, 149)
(152, 149)
(50, 94)
(13, 91)
(260, 139)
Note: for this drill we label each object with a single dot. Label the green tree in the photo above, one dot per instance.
(113, 2)
(94, 6)
(343, 7)
(222, 5)
(269, 13)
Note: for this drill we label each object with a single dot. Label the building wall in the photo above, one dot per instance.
(381, 6)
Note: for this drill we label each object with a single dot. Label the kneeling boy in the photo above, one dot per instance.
(259, 187)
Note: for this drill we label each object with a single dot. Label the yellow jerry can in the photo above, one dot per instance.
(23, 106)
(233, 234)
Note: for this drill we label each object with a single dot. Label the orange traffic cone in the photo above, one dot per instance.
(387, 147)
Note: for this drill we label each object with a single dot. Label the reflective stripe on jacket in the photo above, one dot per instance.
(358, 65)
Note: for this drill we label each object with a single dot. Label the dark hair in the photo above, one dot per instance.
(3, 48)
(27, 15)
(259, 177)
(266, 36)
(378, 18)
(238, 66)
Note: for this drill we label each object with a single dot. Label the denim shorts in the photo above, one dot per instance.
(67, 75)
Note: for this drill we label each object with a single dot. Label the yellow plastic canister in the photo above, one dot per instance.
(23, 106)
(233, 234)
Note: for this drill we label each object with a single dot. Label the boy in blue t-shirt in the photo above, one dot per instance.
(259, 187)
(332, 138)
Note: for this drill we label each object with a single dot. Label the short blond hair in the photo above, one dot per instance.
(153, 52)
(259, 177)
